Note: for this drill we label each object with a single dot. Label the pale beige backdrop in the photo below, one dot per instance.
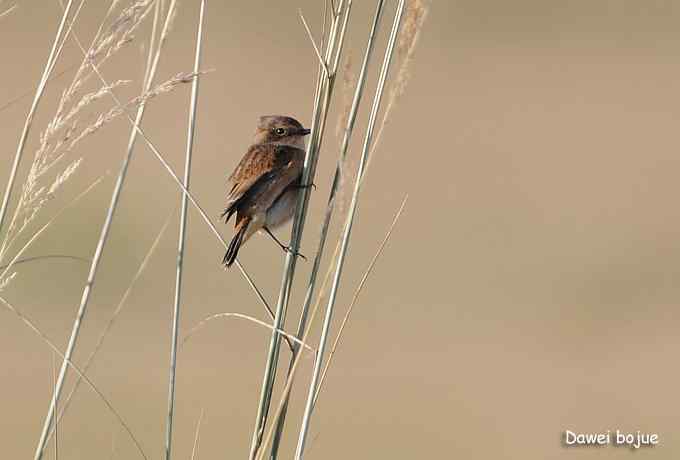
(530, 287)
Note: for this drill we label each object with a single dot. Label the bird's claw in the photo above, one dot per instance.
(313, 185)
(289, 250)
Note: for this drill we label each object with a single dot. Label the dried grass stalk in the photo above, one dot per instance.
(337, 180)
(184, 205)
(324, 90)
(309, 406)
(414, 18)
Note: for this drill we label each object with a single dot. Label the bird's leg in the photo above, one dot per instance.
(283, 246)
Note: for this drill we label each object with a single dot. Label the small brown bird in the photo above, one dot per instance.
(263, 189)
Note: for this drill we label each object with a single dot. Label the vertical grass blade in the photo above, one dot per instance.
(55, 421)
(322, 98)
(329, 208)
(351, 119)
(309, 407)
(182, 233)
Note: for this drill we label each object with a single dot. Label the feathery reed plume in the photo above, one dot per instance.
(57, 46)
(34, 200)
(414, 18)
(103, 238)
(347, 82)
(62, 135)
(340, 187)
(107, 117)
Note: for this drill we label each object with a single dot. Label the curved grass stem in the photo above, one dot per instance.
(112, 319)
(355, 297)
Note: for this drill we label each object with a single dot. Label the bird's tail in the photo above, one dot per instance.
(228, 211)
(236, 242)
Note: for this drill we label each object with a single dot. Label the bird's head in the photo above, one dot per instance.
(278, 129)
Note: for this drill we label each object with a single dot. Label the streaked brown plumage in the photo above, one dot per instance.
(263, 187)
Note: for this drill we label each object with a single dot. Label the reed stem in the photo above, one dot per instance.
(322, 98)
(182, 233)
(329, 208)
(309, 407)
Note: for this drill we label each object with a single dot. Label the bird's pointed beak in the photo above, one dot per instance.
(305, 131)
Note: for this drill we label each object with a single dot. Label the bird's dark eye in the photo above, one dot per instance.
(280, 131)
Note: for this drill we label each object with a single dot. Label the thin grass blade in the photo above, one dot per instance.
(182, 233)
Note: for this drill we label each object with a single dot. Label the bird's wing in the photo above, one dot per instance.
(263, 173)
(258, 160)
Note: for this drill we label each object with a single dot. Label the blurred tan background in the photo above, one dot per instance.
(530, 286)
